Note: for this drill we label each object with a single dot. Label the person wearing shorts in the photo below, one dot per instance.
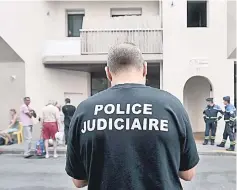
(51, 121)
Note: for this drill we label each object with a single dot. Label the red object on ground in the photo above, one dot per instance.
(49, 130)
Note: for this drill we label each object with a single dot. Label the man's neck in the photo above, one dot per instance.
(127, 81)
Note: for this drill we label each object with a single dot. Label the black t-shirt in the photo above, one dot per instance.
(130, 137)
(68, 111)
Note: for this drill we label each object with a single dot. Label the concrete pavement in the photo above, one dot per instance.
(202, 150)
(213, 173)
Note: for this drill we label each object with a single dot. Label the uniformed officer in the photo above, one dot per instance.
(210, 115)
(230, 124)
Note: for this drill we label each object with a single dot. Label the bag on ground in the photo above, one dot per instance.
(40, 149)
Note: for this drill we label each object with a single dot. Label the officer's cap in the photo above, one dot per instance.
(226, 98)
(209, 99)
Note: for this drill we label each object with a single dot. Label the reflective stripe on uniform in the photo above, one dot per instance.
(223, 140)
(211, 117)
(207, 137)
(232, 143)
(212, 137)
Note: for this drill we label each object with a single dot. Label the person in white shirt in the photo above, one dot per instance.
(51, 122)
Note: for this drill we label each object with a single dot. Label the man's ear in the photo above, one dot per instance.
(144, 69)
(108, 74)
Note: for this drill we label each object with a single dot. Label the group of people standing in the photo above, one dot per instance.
(210, 115)
(51, 121)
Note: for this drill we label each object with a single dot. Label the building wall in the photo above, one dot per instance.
(94, 11)
(26, 33)
(31, 23)
(231, 26)
(182, 44)
(12, 89)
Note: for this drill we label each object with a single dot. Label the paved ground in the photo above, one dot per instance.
(16, 173)
(203, 150)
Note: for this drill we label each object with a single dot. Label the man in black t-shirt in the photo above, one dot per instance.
(68, 111)
(130, 136)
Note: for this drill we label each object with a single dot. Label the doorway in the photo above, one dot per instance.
(195, 92)
(99, 82)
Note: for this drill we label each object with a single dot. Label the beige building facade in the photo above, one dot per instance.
(58, 49)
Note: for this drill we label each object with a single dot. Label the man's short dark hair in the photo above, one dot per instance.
(67, 100)
(124, 56)
(27, 97)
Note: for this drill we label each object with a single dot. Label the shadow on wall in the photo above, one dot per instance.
(195, 92)
(12, 81)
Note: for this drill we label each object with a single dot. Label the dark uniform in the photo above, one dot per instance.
(130, 137)
(230, 125)
(68, 111)
(210, 115)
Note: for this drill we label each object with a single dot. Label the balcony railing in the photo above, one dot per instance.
(150, 41)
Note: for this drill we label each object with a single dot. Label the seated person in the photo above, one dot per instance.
(13, 127)
(14, 123)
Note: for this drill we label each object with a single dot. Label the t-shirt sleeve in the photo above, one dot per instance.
(189, 155)
(74, 164)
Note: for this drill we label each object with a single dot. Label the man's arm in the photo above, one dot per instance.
(189, 155)
(74, 109)
(79, 183)
(74, 165)
(219, 111)
(204, 115)
(64, 110)
(27, 111)
(233, 117)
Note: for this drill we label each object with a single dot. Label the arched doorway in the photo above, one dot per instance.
(195, 92)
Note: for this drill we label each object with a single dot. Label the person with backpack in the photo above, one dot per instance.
(68, 111)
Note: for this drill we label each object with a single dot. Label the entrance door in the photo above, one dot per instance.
(196, 90)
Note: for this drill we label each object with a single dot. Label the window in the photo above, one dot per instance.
(74, 22)
(153, 81)
(118, 12)
(99, 82)
(197, 13)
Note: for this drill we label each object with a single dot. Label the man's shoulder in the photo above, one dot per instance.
(163, 97)
(230, 107)
(152, 94)
(216, 106)
(23, 107)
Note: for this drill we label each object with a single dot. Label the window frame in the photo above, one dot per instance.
(207, 13)
(130, 11)
(72, 12)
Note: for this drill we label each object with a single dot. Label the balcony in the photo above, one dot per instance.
(98, 42)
